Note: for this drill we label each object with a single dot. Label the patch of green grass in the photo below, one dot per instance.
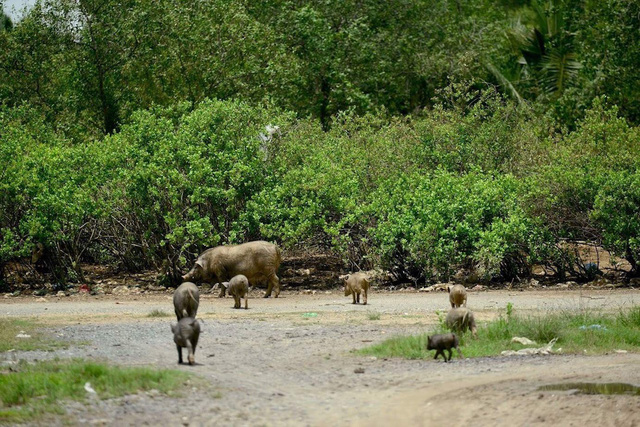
(32, 390)
(158, 313)
(38, 340)
(404, 346)
(575, 332)
(372, 315)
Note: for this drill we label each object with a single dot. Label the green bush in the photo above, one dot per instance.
(578, 192)
(476, 185)
(432, 225)
(172, 182)
(617, 213)
(49, 192)
(321, 179)
(184, 179)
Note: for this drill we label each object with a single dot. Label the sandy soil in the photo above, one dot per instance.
(288, 361)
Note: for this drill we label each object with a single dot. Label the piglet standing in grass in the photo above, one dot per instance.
(460, 320)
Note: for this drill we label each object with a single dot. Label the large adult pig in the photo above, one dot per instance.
(258, 261)
(186, 300)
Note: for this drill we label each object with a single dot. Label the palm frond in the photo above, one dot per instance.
(505, 83)
(560, 68)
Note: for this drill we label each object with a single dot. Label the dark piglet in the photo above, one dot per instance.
(185, 334)
(443, 342)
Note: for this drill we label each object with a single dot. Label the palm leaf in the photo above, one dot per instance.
(505, 83)
(560, 68)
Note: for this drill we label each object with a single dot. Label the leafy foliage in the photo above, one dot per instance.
(134, 133)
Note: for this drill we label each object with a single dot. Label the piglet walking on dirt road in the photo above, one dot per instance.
(356, 284)
(238, 287)
(185, 334)
(457, 296)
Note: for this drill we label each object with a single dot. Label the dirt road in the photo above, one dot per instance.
(288, 361)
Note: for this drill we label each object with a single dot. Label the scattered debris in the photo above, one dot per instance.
(523, 341)
(305, 271)
(121, 290)
(603, 281)
(531, 351)
(358, 371)
(310, 314)
(23, 335)
(88, 388)
(436, 287)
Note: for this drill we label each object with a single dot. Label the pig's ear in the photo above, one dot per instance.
(199, 264)
(174, 327)
(449, 289)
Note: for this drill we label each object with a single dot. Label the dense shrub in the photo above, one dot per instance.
(184, 180)
(577, 172)
(431, 225)
(477, 186)
(617, 214)
(49, 192)
(171, 183)
(321, 178)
